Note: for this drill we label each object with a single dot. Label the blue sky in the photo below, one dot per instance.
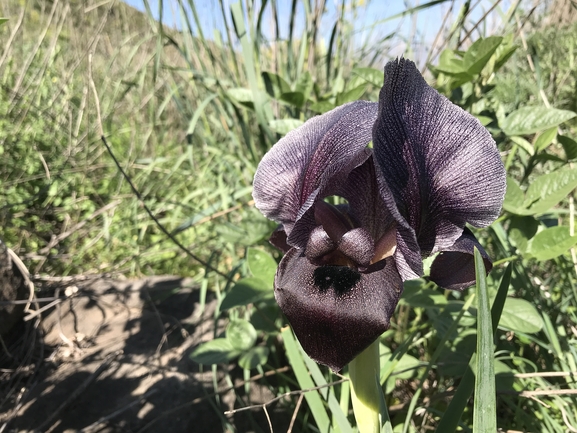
(425, 23)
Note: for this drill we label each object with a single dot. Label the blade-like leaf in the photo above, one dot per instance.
(485, 408)
(305, 381)
(452, 416)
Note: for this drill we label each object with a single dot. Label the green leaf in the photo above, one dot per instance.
(284, 126)
(503, 53)
(523, 144)
(370, 75)
(305, 381)
(241, 334)
(3, 20)
(274, 84)
(479, 54)
(296, 99)
(545, 139)
(520, 315)
(254, 357)
(450, 64)
(549, 189)
(485, 408)
(550, 243)
(569, 146)
(305, 84)
(261, 265)
(215, 351)
(322, 106)
(514, 198)
(351, 95)
(452, 415)
(528, 120)
(241, 94)
(247, 291)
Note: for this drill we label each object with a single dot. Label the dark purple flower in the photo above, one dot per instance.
(433, 168)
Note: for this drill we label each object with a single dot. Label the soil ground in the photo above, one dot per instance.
(115, 359)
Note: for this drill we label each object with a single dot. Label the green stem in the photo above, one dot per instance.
(366, 392)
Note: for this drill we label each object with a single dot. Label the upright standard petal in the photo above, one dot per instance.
(310, 162)
(336, 311)
(439, 163)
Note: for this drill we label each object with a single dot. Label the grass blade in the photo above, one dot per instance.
(305, 381)
(452, 416)
(485, 411)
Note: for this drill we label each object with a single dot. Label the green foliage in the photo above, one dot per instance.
(190, 116)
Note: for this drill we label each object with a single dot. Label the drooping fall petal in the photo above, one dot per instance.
(454, 267)
(336, 311)
(439, 163)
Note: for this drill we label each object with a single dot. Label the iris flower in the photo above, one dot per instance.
(431, 169)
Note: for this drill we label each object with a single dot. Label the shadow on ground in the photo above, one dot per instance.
(118, 363)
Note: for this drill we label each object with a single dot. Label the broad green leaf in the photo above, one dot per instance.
(351, 95)
(241, 334)
(370, 75)
(275, 85)
(3, 20)
(296, 99)
(485, 120)
(241, 94)
(549, 189)
(485, 407)
(504, 52)
(514, 198)
(322, 106)
(569, 146)
(450, 64)
(545, 139)
(521, 229)
(479, 54)
(284, 126)
(247, 291)
(261, 265)
(215, 351)
(528, 120)
(254, 357)
(520, 315)
(523, 144)
(550, 243)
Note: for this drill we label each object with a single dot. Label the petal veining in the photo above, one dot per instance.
(310, 162)
(439, 163)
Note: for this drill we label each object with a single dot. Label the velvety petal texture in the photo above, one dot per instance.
(433, 168)
(336, 311)
(310, 162)
(439, 163)
(454, 267)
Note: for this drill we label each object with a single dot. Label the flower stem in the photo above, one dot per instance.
(366, 392)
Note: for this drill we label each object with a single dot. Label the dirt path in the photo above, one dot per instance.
(118, 362)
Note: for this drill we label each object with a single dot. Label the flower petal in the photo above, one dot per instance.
(440, 164)
(336, 311)
(310, 162)
(454, 267)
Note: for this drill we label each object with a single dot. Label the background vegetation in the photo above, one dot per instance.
(188, 115)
